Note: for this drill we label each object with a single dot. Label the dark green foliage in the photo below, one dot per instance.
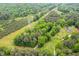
(69, 46)
(49, 22)
(40, 34)
(76, 47)
(19, 10)
(4, 15)
(77, 24)
(70, 22)
(10, 12)
(13, 26)
(26, 40)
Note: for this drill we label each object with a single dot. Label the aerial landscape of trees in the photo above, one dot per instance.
(39, 29)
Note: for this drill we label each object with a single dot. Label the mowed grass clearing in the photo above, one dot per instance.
(7, 41)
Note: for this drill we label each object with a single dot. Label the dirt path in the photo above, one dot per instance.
(7, 41)
(58, 38)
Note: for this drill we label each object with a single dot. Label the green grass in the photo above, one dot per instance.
(50, 46)
(7, 41)
(29, 17)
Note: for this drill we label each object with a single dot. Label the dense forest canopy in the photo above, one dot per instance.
(41, 29)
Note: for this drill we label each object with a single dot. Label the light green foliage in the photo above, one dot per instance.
(48, 29)
(42, 40)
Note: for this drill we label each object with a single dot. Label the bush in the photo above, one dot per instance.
(23, 52)
(76, 47)
(69, 42)
(4, 51)
(61, 22)
(42, 40)
(54, 30)
(70, 22)
(25, 40)
(77, 24)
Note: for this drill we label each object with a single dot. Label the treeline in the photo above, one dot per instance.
(38, 35)
(45, 30)
(12, 25)
(11, 11)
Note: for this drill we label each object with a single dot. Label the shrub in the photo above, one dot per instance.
(42, 40)
(77, 24)
(4, 51)
(23, 52)
(25, 40)
(76, 47)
